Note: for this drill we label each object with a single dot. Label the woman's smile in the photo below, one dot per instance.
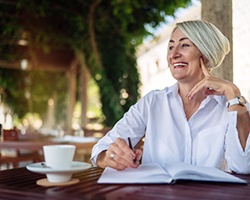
(180, 65)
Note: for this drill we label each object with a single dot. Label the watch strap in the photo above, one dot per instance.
(235, 101)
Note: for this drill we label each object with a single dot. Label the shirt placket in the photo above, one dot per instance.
(188, 146)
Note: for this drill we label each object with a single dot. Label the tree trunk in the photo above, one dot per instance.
(72, 77)
(84, 77)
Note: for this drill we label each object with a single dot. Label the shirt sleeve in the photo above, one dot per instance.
(132, 124)
(238, 159)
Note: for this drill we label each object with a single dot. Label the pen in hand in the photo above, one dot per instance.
(131, 147)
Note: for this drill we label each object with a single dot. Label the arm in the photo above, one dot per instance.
(133, 125)
(211, 85)
(243, 123)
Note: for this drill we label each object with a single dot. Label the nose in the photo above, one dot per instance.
(174, 54)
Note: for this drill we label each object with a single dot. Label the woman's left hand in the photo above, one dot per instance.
(212, 85)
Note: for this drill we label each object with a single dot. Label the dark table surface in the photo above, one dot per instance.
(21, 184)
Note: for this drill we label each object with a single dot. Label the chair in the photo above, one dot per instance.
(15, 157)
(84, 154)
(98, 133)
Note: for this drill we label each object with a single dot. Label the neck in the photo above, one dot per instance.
(189, 106)
(183, 91)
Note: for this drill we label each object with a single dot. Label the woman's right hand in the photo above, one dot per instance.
(119, 156)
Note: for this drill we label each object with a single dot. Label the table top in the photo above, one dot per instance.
(21, 184)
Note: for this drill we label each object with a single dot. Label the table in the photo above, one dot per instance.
(20, 183)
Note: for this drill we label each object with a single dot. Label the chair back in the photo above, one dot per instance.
(98, 133)
(10, 135)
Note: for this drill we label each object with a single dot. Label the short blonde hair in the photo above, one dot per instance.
(208, 39)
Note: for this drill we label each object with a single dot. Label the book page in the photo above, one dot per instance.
(147, 173)
(179, 170)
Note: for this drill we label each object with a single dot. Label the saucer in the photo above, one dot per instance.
(76, 167)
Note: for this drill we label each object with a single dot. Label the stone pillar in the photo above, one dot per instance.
(219, 12)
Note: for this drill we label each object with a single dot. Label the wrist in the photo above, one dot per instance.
(232, 92)
(239, 100)
(100, 160)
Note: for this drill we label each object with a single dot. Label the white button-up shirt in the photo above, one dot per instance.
(208, 138)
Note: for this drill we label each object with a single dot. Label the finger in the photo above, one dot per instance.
(127, 154)
(204, 87)
(194, 90)
(123, 154)
(111, 161)
(124, 148)
(138, 153)
(205, 69)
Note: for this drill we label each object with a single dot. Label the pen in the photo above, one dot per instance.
(130, 146)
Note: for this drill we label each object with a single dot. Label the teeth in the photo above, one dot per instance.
(179, 64)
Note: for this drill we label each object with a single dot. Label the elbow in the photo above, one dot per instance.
(243, 168)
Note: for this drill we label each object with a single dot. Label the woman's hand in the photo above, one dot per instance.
(212, 85)
(119, 156)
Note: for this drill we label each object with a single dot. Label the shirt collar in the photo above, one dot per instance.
(173, 89)
(217, 98)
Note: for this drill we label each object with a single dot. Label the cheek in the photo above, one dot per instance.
(195, 58)
(197, 54)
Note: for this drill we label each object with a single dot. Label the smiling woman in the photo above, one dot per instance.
(190, 121)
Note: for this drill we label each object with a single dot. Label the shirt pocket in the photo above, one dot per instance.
(209, 146)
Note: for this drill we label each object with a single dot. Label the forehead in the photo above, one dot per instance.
(178, 35)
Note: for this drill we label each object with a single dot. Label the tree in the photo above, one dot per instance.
(102, 34)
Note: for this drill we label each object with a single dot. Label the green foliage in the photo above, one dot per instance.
(104, 33)
(12, 85)
(44, 86)
(39, 84)
(94, 105)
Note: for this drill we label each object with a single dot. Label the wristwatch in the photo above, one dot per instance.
(239, 100)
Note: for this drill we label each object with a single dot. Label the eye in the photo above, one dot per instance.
(185, 45)
(170, 47)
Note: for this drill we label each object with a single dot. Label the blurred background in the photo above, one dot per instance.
(66, 66)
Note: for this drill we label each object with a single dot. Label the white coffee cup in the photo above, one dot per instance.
(59, 157)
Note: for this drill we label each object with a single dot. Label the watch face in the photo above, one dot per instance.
(242, 100)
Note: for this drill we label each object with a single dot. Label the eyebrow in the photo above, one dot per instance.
(184, 38)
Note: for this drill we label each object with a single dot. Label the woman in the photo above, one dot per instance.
(200, 120)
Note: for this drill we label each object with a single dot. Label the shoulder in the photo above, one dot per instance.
(157, 94)
(162, 92)
(154, 93)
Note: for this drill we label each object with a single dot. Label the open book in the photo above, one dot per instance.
(168, 174)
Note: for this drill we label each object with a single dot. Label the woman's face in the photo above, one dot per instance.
(184, 58)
